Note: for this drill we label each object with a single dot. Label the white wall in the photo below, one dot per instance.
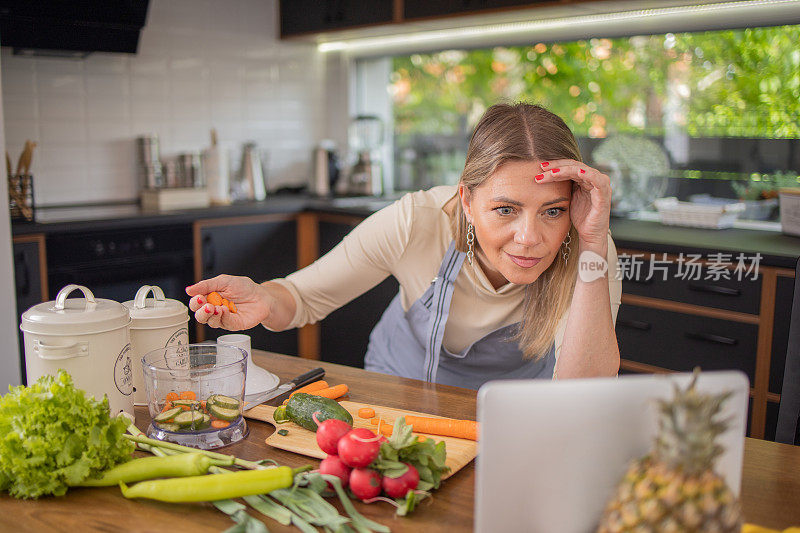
(9, 355)
(201, 64)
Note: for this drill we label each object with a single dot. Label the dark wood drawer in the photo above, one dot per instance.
(678, 341)
(670, 281)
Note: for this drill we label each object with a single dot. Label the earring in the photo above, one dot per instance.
(566, 246)
(470, 242)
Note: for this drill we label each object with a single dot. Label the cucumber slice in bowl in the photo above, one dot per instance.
(168, 426)
(189, 419)
(223, 413)
(226, 402)
(167, 415)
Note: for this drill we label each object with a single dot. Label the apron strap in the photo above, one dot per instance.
(440, 308)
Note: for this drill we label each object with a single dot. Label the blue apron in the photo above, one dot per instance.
(409, 343)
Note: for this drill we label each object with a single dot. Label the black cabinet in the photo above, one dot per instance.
(309, 16)
(344, 334)
(413, 9)
(261, 248)
(30, 279)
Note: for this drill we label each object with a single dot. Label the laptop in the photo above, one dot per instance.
(551, 453)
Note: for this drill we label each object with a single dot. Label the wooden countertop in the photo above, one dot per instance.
(770, 487)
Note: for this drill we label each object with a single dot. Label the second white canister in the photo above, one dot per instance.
(156, 322)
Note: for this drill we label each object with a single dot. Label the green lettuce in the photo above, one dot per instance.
(53, 436)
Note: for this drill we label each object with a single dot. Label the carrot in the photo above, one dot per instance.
(332, 392)
(167, 407)
(171, 396)
(374, 421)
(232, 307)
(448, 427)
(366, 412)
(317, 385)
(203, 405)
(219, 424)
(214, 298)
(385, 429)
(188, 395)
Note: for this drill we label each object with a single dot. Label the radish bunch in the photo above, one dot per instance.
(350, 452)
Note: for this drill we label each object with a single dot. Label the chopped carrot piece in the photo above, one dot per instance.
(374, 421)
(366, 412)
(232, 307)
(386, 429)
(334, 392)
(219, 424)
(171, 396)
(316, 385)
(188, 395)
(203, 404)
(167, 407)
(214, 298)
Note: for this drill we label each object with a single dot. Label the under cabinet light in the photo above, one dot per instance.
(576, 23)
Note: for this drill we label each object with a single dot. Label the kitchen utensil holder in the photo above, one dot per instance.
(20, 197)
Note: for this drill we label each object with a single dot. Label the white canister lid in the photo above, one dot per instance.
(76, 316)
(155, 312)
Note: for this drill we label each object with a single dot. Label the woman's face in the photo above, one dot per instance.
(519, 223)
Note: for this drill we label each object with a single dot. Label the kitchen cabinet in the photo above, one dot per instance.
(30, 279)
(415, 9)
(261, 247)
(669, 324)
(299, 17)
(341, 337)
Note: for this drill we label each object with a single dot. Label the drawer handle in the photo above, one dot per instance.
(719, 339)
(714, 289)
(635, 324)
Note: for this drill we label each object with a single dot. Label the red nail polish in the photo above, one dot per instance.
(216, 312)
(207, 309)
(199, 300)
(583, 171)
(545, 164)
(555, 170)
(537, 177)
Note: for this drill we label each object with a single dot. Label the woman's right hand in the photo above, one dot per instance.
(253, 302)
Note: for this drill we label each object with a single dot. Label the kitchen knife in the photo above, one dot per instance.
(286, 387)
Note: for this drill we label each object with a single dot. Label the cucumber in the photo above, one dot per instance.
(222, 413)
(204, 423)
(225, 401)
(301, 408)
(189, 418)
(168, 414)
(191, 404)
(166, 426)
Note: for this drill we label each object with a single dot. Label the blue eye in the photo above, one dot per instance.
(555, 212)
(505, 210)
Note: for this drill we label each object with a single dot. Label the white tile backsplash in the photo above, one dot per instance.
(201, 64)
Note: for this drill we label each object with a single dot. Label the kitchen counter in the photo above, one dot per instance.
(776, 248)
(770, 486)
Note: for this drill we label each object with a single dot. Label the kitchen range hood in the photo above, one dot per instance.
(71, 28)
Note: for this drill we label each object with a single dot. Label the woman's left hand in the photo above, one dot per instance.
(590, 207)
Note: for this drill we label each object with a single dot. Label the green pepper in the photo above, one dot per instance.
(211, 487)
(185, 464)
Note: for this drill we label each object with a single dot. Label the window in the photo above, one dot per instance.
(720, 108)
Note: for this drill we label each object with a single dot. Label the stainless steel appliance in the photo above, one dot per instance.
(365, 136)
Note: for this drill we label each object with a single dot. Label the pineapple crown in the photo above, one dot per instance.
(688, 429)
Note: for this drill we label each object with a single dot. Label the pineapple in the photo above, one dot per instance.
(674, 488)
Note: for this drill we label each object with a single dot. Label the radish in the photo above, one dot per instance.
(334, 466)
(359, 448)
(398, 487)
(365, 483)
(329, 432)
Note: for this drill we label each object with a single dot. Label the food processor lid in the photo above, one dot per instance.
(75, 316)
(154, 312)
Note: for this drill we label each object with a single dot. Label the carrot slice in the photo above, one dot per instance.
(171, 396)
(332, 392)
(366, 412)
(188, 395)
(385, 429)
(219, 424)
(214, 298)
(448, 427)
(317, 385)
(374, 421)
(231, 307)
(167, 407)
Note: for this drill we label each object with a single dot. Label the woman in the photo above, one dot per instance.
(488, 269)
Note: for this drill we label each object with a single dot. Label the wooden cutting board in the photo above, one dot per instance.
(299, 440)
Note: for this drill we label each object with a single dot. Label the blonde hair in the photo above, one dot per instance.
(528, 132)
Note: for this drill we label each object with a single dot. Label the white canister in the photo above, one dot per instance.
(790, 210)
(156, 322)
(89, 338)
